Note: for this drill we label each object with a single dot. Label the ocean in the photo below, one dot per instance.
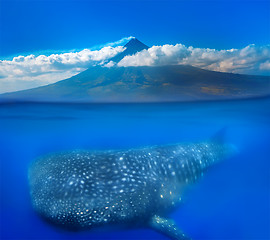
(231, 201)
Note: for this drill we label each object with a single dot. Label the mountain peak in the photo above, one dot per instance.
(135, 43)
(132, 47)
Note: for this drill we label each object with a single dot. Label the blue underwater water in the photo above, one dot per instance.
(231, 201)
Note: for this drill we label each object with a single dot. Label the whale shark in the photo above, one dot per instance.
(83, 189)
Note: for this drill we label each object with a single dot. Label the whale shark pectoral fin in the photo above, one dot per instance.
(168, 228)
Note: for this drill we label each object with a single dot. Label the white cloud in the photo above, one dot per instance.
(249, 60)
(110, 64)
(121, 42)
(41, 70)
(265, 65)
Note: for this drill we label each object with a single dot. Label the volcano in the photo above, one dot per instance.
(146, 84)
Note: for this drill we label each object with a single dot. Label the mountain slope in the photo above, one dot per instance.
(146, 84)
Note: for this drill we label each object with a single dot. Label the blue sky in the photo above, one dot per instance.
(44, 41)
(31, 26)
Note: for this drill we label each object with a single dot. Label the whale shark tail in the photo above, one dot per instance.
(219, 139)
(219, 136)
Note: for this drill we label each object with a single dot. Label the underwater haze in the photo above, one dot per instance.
(231, 201)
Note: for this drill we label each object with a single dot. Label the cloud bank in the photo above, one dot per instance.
(249, 60)
(42, 70)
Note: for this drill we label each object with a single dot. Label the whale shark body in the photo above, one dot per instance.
(84, 189)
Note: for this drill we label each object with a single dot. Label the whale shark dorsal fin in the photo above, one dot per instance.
(168, 228)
